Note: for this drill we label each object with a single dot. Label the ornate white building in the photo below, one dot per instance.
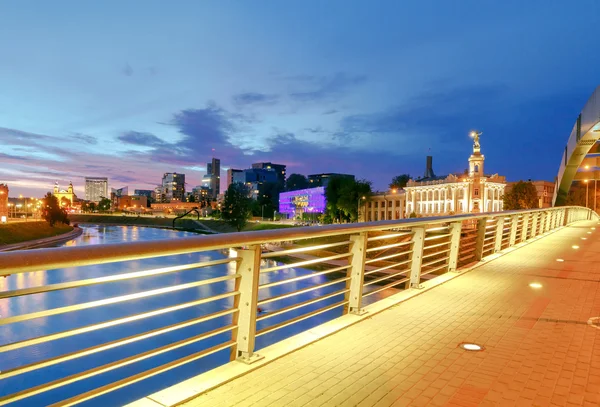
(453, 194)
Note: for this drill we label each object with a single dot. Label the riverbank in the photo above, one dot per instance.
(188, 223)
(14, 236)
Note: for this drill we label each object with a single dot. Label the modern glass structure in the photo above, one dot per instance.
(295, 203)
(96, 188)
(173, 187)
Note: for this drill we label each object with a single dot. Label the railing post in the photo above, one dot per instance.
(417, 257)
(547, 223)
(358, 250)
(543, 217)
(479, 241)
(534, 224)
(499, 234)
(246, 303)
(514, 223)
(525, 227)
(455, 231)
(564, 217)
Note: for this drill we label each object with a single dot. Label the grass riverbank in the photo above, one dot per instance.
(12, 233)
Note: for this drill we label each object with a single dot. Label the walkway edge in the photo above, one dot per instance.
(31, 244)
(204, 382)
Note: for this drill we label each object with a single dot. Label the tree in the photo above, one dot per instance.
(522, 195)
(399, 181)
(104, 204)
(576, 195)
(236, 206)
(52, 212)
(296, 182)
(191, 198)
(343, 196)
(92, 206)
(85, 206)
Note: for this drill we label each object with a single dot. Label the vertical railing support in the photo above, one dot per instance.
(547, 223)
(534, 224)
(358, 250)
(525, 227)
(417, 257)
(499, 234)
(455, 231)
(246, 303)
(480, 239)
(543, 217)
(514, 223)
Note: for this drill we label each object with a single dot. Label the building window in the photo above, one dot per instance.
(476, 168)
(376, 204)
(476, 192)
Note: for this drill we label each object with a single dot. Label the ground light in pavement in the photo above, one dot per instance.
(471, 347)
(584, 238)
(535, 285)
(560, 260)
(575, 246)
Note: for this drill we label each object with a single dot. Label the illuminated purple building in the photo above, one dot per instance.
(295, 203)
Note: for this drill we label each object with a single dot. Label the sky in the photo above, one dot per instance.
(131, 90)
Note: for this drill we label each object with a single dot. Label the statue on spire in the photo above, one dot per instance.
(475, 135)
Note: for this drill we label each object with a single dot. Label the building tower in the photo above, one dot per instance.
(3, 203)
(476, 173)
(215, 181)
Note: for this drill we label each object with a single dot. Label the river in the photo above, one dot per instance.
(104, 234)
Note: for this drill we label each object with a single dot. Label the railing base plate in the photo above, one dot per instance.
(248, 360)
(417, 286)
(360, 311)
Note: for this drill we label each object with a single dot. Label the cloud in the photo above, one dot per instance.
(331, 111)
(127, 70)
(328, 87)
(85, 138)
(141, 139)
(254, 98)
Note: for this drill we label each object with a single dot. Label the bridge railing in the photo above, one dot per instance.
(345, 267)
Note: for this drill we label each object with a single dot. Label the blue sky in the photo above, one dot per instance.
(130, 90)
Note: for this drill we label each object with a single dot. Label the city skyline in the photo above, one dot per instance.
(279, 82)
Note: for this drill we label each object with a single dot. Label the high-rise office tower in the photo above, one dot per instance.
(96, 188)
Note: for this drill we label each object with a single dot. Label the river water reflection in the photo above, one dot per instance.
(95, 234)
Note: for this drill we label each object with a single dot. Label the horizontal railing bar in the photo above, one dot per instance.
(385, 287)
(299, 318)
(111, 279)
(491, 227)
(468, 244)
(142, 375)
(437, 237)
(389, 256)
(63, 381)
(472, 249)
(112, 344)
(388, 277)
(49, 259)
(390, 236)
(433, 246)
(303, 249)
(305, 263)
(113, 322)
(302, 291)
(113, 300)
(434, 270)
(391, 266)
(434, 262)
(305, 277)
(437, 228)
(436, 253)
(489, 244)
(388, 246)
(301, 304)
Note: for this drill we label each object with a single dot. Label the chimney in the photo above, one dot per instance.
(429, 168)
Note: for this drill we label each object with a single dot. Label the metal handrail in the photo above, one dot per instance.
(464, 237)
(45, 259)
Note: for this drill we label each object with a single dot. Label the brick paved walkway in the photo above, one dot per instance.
(539, 348)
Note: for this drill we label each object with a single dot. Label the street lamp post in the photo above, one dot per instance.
(586, 192)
